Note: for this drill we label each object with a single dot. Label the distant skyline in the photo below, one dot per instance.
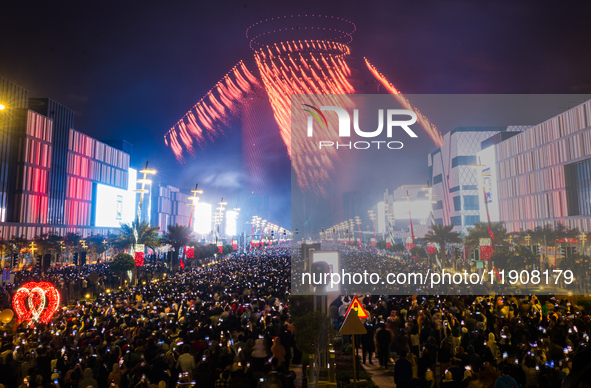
(131, 70)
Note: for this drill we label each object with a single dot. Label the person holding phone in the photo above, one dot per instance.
(528, 364)
(115, 375)
(186, 362)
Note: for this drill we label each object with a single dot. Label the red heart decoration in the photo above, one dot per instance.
(36, 302)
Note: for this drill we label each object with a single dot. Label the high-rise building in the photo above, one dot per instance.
(454, 177)
(541, 176)
(405, 203)
(169, 207)
(50, 173)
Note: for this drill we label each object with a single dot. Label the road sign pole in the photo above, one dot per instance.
(354, 363)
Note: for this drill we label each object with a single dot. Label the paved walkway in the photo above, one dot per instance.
(383, 378)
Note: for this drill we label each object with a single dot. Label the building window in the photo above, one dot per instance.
(471, 202)
(437, 179)
(454, 189)
(439, 221)
(578, 188)
(465, 160)
(438, 205)
(469, 187)
(471, 220)
(458, 203)
(456, 221)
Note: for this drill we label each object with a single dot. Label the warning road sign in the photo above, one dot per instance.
(358, 307)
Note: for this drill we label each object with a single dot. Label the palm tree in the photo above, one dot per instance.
(55, 243)
(4, 248)
(579, 265)
(18, 244)
(43, 247)
(480, 230)
(442, 234)
(48, 243)
(146, 235)
(72, 244)
(96, 245)
(178, 236)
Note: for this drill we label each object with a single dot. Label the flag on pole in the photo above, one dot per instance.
(490, 232)
(496, 273)
(412, 232)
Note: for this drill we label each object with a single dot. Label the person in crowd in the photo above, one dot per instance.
(505, 380)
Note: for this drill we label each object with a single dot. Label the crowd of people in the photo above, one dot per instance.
(222, 325)
(472, 341)
(227, 324)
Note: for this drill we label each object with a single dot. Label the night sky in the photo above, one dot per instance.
(132, 69)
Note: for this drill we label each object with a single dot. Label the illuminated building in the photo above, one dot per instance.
(404, 202)
(541, 176)
(52, 174)
(202, 218)
(231, 222)
(453, 177)
(167, 206)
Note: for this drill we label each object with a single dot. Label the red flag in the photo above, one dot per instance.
(431, 249)
(412, 232)
(490, 232)
(496, 273)
(485, 252)
(139, 259)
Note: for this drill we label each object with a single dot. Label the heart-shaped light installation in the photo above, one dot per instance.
(36, 302)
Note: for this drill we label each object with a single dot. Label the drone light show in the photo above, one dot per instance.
(295, 55)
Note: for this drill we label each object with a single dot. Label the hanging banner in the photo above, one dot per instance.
(485, 252)
(431, 249)
(373, 242)
(409, 246)
(139, 259)
(388, 243)
(190, 252)
(358, 241)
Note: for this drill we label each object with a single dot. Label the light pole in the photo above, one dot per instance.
(482, 175)
(220, 210)
(358, 222)
(142, 191)
(430, 196)
(194, 199)
(235, 213)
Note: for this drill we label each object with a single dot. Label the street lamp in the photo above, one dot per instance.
(194, 199)
(143, 190)
(220, 210)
